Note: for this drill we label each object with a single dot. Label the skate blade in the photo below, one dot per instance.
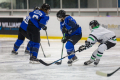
(34, 62)
(69, 64)
(13, 54)
(73, 62)
(95, 65)
(27, 53)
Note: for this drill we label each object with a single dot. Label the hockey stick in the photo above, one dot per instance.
(43, 52)
(106, 74)
(47, 38)
(58, 63)
(46, 64)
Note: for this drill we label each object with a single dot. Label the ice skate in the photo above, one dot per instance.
(72, 60)
(34, 60)
(27, 52)
(96, 62)
(14, 52)
(88, 62)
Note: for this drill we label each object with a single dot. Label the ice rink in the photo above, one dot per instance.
(17, 67)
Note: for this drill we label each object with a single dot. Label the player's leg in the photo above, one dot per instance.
(25, 34)
(27, 50)
(35, 48)
(97, 54)
(18, 42)
(92, 58)
(70, 48)
(34, 35)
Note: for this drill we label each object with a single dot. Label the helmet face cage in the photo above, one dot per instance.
(93, 23)
(61, 14)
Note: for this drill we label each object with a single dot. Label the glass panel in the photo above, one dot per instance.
(108, 14)
(53, 3)
(20, 13)
(33, 3)
(70, 3)
(88, 3)
(19, 4)
(107, 3)
(4, 13)
(88, 14)
(5, 4)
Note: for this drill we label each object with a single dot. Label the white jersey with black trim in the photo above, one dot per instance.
(101, 35)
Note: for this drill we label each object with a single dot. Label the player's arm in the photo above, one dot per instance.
(89, 42)
(64, 32)
(43, 21)
(70, 25)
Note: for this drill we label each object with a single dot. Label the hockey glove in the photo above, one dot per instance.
(64, 30)
(44, 28)
(81, 48)
(64, 39)
(88, 44)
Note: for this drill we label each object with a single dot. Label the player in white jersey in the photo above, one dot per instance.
(105, 37)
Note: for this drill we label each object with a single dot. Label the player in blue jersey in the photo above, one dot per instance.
(72, 33)
(37, 21)
(22, 34)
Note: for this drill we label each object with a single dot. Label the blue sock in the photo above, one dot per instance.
(17, 44)
(28, 46)
(70, 49)
(35, 49)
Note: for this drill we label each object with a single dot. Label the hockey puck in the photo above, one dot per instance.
(58, 63)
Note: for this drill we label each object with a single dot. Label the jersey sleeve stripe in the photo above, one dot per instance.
(94, 37)
(91, 38)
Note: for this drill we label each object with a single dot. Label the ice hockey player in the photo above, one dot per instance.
(105, 37)
(22, 34)
(38, 20)
(73, 34)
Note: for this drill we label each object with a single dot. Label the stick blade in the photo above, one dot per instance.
(42, 62)
(101, 73)
(49, 55)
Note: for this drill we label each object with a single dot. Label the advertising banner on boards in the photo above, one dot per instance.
(111, 23)
(10, 25)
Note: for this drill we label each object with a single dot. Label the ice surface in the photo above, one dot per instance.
(17, 67)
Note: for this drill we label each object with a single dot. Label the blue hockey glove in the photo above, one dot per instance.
(64, 30)
(64, 39)
(44, 28)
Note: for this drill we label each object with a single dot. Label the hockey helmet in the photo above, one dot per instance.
(94, 22)
(61, 14)
(45, 6)
(36, 8)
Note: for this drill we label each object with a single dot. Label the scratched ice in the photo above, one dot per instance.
(17, 67)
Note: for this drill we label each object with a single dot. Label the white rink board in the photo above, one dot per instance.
(112, 23)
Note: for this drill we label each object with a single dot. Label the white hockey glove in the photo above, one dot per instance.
(88, 44)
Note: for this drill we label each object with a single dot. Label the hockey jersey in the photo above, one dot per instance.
(39, 18)
(101, 35)
(71, 25)
(24, 23)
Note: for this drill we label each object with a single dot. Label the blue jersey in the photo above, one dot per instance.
(39, 18)
(24, 23)
(71, 25)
